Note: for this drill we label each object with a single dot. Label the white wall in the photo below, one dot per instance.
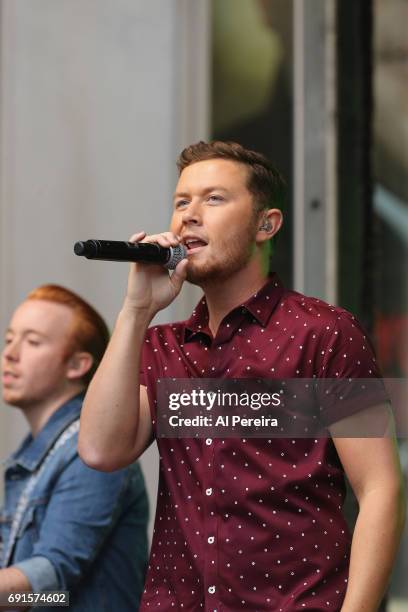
(95, 102)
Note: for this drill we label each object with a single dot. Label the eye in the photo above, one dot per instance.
(33, 342)
(215, 198)
(180, 203)
(7, 340)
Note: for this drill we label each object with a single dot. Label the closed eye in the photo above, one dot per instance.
(34, 340)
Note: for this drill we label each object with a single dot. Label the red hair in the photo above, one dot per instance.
(89, 332)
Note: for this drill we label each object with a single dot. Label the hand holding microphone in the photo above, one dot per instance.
(150, 287)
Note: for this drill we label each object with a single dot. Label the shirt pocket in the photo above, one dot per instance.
(30, 524)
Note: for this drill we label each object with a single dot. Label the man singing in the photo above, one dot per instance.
(251, 524)
(64, 526)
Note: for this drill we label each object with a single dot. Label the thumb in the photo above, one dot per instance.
(179, 275)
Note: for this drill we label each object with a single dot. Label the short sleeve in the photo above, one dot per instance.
(349, 376)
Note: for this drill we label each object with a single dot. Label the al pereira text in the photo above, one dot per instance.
(221, 421)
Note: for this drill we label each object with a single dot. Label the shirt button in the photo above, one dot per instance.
(208, 491)
(211, 590)
(211, 540)
(208, 441)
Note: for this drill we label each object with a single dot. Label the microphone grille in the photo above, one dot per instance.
(176, 254)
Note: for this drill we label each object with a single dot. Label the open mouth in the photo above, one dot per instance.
(193, 245)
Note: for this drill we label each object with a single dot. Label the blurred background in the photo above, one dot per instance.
(97, 98)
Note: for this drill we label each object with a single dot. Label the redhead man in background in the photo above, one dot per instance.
(256, 523)
(64, 526)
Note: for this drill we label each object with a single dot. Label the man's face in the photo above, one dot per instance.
(214, 215)
(34, 363)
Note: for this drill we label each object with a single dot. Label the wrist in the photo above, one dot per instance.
(136, 313)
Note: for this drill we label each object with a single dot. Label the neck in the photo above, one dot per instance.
(224, 295)
(37, 414)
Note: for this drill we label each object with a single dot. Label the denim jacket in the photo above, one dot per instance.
(79, 530)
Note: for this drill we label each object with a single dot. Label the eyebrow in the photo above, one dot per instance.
(9, 330)
(185, 194)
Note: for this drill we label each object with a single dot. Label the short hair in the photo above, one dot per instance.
(265, 182)
(89, 332)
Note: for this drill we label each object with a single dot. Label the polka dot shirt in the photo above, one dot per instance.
(252, 524)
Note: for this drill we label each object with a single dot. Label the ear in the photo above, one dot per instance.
(270, 222)
(78, 365)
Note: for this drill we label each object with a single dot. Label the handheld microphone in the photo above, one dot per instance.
(145, 252)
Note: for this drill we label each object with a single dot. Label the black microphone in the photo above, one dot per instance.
(145, 252)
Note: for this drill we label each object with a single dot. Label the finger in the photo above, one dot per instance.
(179, 275)
(166, 239)
(172, 238)
(137, 237)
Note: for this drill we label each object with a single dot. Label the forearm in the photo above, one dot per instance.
(12, 580)
(110, 413)
(375, 542)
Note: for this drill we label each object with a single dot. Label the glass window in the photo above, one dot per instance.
(252, 90)
(390, 76)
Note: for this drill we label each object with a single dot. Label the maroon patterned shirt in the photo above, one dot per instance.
(252, 524)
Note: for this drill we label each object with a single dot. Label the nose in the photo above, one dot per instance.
(192, 214)
(11, 350)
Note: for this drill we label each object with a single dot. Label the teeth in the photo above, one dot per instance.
(193, 241)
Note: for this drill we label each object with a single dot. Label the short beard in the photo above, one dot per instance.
(235, 255)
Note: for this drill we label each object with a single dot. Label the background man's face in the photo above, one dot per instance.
(34, 360)
(212, 204)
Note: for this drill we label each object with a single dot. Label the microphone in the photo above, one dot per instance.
(145, 252)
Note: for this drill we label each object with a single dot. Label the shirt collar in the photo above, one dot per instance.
(198, 322)
(260, 305)
(32, 451)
